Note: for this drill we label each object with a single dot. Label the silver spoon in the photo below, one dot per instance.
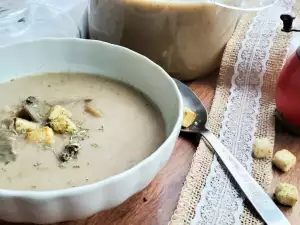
(261, 201)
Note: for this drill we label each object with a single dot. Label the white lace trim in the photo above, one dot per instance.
(221, 201)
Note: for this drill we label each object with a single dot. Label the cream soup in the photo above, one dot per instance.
(128, 129)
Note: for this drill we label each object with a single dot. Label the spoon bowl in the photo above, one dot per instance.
(194, 103)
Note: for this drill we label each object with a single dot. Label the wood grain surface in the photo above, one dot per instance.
(155, 204)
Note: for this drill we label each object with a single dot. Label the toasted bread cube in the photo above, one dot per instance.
(286, 194)
(92, 110)
(43, 135)
(57, 111)
(62, 124)
(24, 126)
(188, 117)
(284, 160)
(262, 148)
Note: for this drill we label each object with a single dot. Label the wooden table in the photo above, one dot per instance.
(156, 204)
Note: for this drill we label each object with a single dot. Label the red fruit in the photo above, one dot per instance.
(288, 90)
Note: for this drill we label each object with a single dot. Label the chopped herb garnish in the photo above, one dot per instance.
(37, 164)
(62, 165)
(31, 100)
(101, 128)
(79, 136)
(94, 145)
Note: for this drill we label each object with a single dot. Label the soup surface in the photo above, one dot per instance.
(130, 129)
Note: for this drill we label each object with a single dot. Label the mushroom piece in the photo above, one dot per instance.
(34, 110)
(70, 152)
(7, 153)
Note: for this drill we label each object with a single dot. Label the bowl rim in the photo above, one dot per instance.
(50, 194)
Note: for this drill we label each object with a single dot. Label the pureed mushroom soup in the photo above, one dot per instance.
(67, 130)
(186, 37)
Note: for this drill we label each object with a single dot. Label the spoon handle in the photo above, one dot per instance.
(261, 201)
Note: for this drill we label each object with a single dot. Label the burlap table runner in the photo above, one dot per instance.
(261, 169)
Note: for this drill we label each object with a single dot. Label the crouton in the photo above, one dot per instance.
(262, 148)
(92, 110)
(284, 160)
(188, 117)
(286, 194)
(24, 126)
(57, 111)
(44, 135)
(62, 124)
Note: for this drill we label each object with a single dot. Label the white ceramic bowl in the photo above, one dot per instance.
(75, 55)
